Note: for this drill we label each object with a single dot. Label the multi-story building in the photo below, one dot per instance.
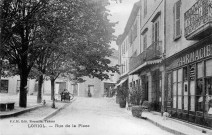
(189, 60)
(173, 57)
(129, 47)
(145, 61)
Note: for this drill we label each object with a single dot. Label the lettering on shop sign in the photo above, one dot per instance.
(195, 55)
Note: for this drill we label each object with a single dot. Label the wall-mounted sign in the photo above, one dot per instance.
(195, 55)
(197, 16)
(192, 72)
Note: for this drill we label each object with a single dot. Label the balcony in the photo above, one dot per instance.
(198, 20)
(137, 61)
(153, 52)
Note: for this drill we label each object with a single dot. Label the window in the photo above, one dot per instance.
(192, 87)
(208, 68)
(155, 31)
(199, 95)
(122, 47)
(180, 72)
(126, 48)
(185, 74)
(4, 86)
(135, 31)
(174, 89)
(130, 37)
(126, 65)
(208, 101)
(185, 88)
(144, 41)
(177, 24)
(145, 8)
(169, 91)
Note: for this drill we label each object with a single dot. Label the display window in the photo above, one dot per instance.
(180, 78)
(208, 88)
(192, 95)
(199, 95)
(174, 89)
(209, 68)
(185, 95)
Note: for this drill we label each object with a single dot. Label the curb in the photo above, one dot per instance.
(57, 111)
(208, 132)
(201, 129)
(166, 128)
(13, 114)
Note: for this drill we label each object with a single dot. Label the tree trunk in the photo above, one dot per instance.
(23, 90)
(52, 93)
(0, 69)
(40, 83)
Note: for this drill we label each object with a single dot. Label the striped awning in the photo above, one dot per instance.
(151, 62)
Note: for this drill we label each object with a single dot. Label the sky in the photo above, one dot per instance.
(120, 13)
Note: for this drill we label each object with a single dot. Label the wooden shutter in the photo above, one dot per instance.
(157, 31)
(177, 23)
(174, 20)
(145, 42)
(136, 29)
(157, 35)
(178, 29)
(153, 32)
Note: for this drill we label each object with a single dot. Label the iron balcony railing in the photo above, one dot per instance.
(154, 51)
(197, 19)
(137, 61)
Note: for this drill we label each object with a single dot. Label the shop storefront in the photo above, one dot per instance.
(151, 84)
(188, 94)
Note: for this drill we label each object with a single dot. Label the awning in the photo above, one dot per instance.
(146, 64)
(122, 81)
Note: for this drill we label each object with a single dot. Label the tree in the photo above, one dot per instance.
(85, 47)
(71, 37)
(22, 21)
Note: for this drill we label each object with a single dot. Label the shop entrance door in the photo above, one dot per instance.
(145, 87)
(156, 90)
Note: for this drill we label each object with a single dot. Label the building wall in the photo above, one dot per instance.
(153, 7)
(13, 86)
(154, 12)
(189, 83)
(174, 46)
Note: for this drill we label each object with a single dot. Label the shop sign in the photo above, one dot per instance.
(195, 55)
(196, 16)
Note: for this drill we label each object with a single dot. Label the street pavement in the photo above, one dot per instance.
(102, 116)
(84, 116)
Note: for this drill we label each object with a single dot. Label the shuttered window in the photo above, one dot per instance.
(155, 31)
(130, 37)
(177, 23)
(145, 8)
(135, 29)
(145, 41)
